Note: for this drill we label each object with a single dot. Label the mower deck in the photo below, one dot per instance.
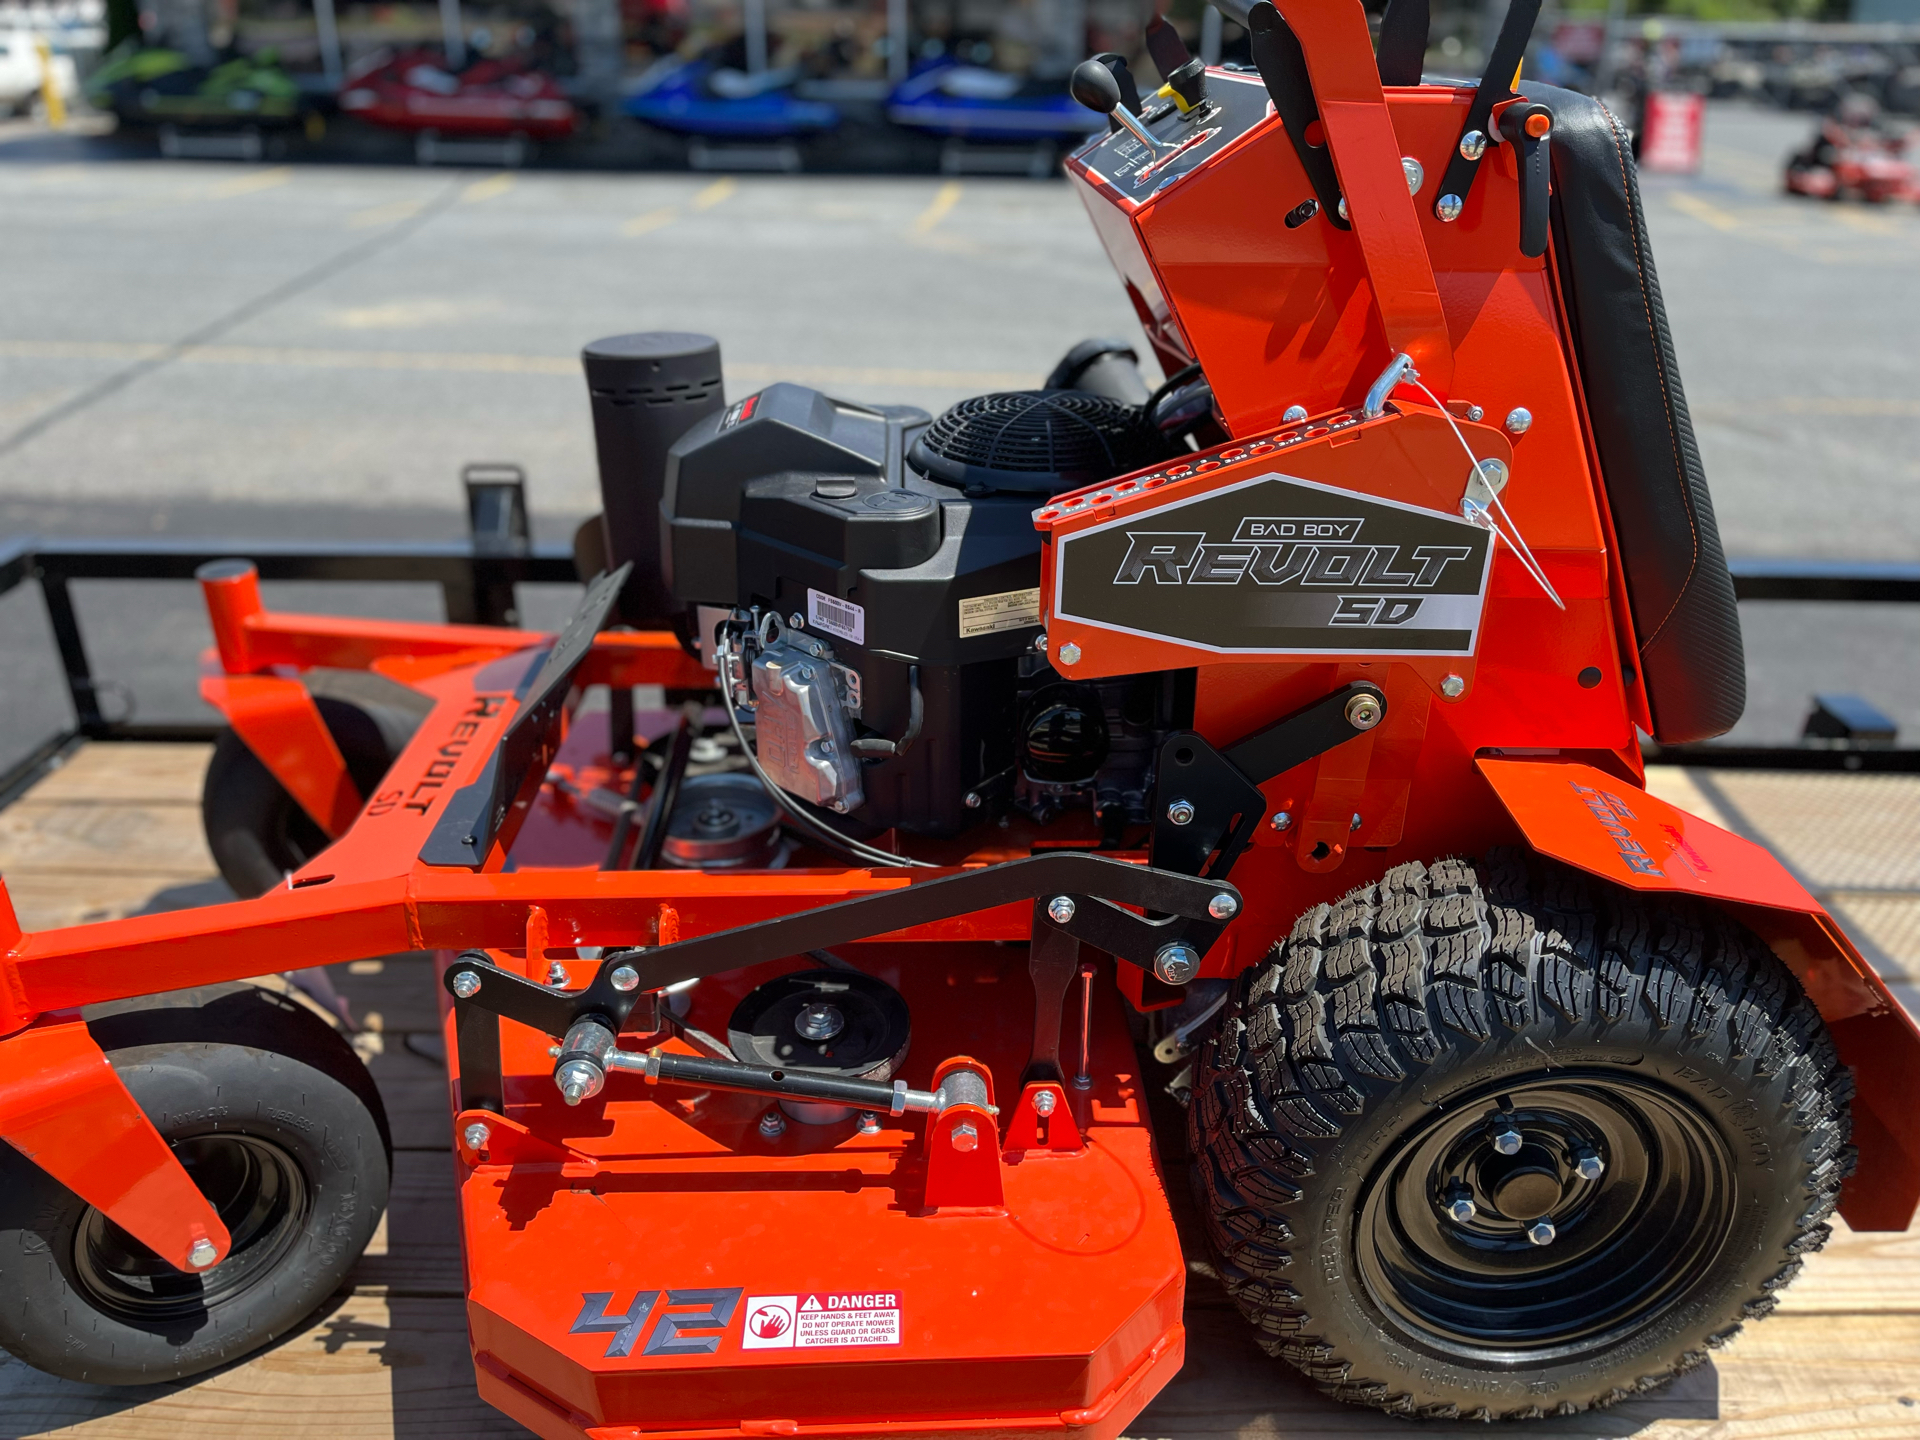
(717, 1261)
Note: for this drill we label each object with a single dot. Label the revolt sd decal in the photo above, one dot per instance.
(1279, 565)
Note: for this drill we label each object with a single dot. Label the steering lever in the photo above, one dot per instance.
(1528, 127)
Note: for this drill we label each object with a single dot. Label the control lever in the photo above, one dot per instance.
(1095, 87)
(1123, 76)
(1528, 127)
(1283, 69)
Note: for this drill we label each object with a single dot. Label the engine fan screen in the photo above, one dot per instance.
(1234, 104)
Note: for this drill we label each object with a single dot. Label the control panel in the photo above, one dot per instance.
(1183, 137)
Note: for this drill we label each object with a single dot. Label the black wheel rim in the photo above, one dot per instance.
(1626, 1245)
(261, 1196)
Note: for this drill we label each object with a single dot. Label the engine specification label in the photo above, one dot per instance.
(990, 614)
(837, 617)
(821, 1319)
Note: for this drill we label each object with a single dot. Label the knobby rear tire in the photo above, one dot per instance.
(1361, 1078)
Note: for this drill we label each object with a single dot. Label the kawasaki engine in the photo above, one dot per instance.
(865, 582)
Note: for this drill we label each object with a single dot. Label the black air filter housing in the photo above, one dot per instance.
(1035, 442)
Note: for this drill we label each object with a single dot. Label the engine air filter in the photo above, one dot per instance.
(1036, 442)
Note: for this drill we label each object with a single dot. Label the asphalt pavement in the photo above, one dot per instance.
(279, 350)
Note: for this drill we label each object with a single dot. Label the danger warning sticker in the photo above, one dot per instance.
(821, 1318)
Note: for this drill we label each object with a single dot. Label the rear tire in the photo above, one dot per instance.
(279, 1125)
(1361, 1083)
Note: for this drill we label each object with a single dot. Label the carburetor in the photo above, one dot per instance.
(801, 700)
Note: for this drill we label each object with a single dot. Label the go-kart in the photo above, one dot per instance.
(1851, 156)
(1020, 764)
(414, 90)
(158, 86)
(712, 99)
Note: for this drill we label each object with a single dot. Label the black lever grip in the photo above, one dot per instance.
(1496, 83)
(1528, 127)
(1283, 69)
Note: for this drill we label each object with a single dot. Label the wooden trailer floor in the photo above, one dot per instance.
(116, 831)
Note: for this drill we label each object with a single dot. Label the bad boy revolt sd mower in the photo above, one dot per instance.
(1281, 719)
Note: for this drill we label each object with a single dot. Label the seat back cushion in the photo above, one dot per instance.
(1687, 626)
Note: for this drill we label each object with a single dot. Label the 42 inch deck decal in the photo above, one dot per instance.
(1277, 565)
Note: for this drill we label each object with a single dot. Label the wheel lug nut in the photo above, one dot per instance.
(1541, 1232)
(1507, 1140)
(1589, 1165)
(1461, 1209)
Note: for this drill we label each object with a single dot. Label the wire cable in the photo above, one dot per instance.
(844, 843)
(1482, 515)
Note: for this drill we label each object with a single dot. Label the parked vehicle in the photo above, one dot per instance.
(414, 90)
(714, 97)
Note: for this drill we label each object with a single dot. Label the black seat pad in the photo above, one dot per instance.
(1687, 626)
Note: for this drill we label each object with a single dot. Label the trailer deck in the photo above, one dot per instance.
(115, 830)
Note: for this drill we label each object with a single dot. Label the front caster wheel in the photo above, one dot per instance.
(1497, 1140)
(277, 1122)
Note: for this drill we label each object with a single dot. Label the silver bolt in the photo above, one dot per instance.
(1281, 820)
(1180, 812)
(1354, 824)
(1507, 1140)
(797, 620)
(1060, 909)
(1519, 420)
(820, 1020)
(1176, 964)
(1589, 1165)
(1541, 1232)
(1223, 906)
(964, 1136)
(1493, 473)
(1043, 1102)
(578, 1081)
(773, 1124)
(869, 1123)
(1416, 174)
(1070, 654)
(466, 984)
(201, 1256)
(1453, 687)
(1343, 207)
(476, 1136)
(972, 800)
(1040, 642)
(1293, 415)
(1364, 711)
(1448, 209)
(1461, 1209)
(556, 973)
(624, 978)
(1473, 145)
(1476, 413)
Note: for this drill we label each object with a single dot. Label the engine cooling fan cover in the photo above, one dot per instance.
(1036, 442)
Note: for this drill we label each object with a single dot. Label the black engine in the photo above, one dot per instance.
(866, 581)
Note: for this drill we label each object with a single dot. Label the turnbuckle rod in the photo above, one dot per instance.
(589, 1052)
(664, 1069)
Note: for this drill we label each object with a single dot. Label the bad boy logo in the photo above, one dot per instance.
(1278, 565)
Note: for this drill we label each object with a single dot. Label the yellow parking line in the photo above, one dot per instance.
(1689, 204)
(651, 221)
(718, 191)
(943, 201)
(385, 214)
(247, 184)
(487, 189)
(1860, 220)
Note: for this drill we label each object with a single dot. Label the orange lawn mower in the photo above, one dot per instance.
(1268, 738)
